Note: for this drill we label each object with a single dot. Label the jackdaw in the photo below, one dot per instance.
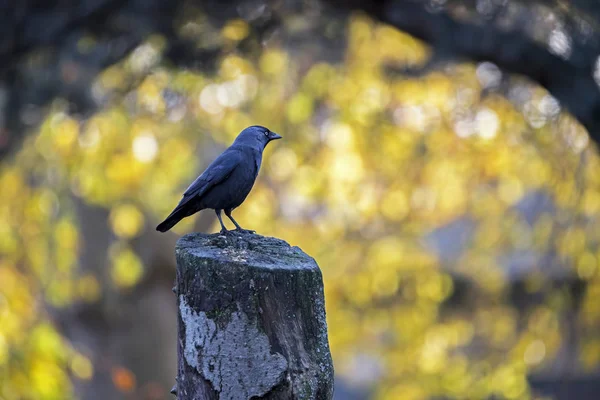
(227, 181)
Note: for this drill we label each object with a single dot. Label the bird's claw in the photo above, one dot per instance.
(225, 232)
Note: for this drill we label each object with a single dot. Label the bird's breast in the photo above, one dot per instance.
(243, 179)
(232, 192)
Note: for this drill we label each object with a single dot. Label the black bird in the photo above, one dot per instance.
(227, 181)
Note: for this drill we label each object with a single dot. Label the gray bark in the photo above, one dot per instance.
(251, 320)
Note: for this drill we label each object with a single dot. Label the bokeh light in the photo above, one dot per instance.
(452, 213)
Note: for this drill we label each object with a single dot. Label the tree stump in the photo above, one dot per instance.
(251, 320)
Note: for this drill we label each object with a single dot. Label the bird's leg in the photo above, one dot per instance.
(223, 229)
(237, 226)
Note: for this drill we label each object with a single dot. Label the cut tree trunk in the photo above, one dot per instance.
(251, 320)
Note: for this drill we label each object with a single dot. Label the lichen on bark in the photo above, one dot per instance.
(251, 320)
(239, 352)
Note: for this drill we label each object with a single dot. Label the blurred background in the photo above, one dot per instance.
(439, 161)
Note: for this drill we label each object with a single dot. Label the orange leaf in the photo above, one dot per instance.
(123, 379)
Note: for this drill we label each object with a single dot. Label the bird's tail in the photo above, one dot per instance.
(177, 215)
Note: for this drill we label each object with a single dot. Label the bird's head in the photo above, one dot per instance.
(256, 136)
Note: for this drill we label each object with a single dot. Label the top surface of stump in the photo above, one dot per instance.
(246, 248)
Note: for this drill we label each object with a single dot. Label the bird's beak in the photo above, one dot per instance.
(274, 136)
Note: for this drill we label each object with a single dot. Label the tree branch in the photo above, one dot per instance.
(570, 80)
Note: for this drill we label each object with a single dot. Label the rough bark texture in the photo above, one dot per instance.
(251, 320)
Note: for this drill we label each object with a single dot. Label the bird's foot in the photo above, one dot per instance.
(224, 232)
(242, 230)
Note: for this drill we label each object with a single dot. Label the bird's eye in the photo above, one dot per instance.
(266, 133)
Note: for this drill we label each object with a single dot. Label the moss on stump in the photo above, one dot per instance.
(251, 320)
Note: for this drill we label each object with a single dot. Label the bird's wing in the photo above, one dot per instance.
(218, 171)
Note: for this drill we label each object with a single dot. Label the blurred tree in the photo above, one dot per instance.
(451, 203)
(552, 42)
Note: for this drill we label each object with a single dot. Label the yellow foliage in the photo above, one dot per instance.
(273, 62)
(88, 288)
(126, 220)
(373, 167)
(82, 367)
(127, 268)
(235, 30)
